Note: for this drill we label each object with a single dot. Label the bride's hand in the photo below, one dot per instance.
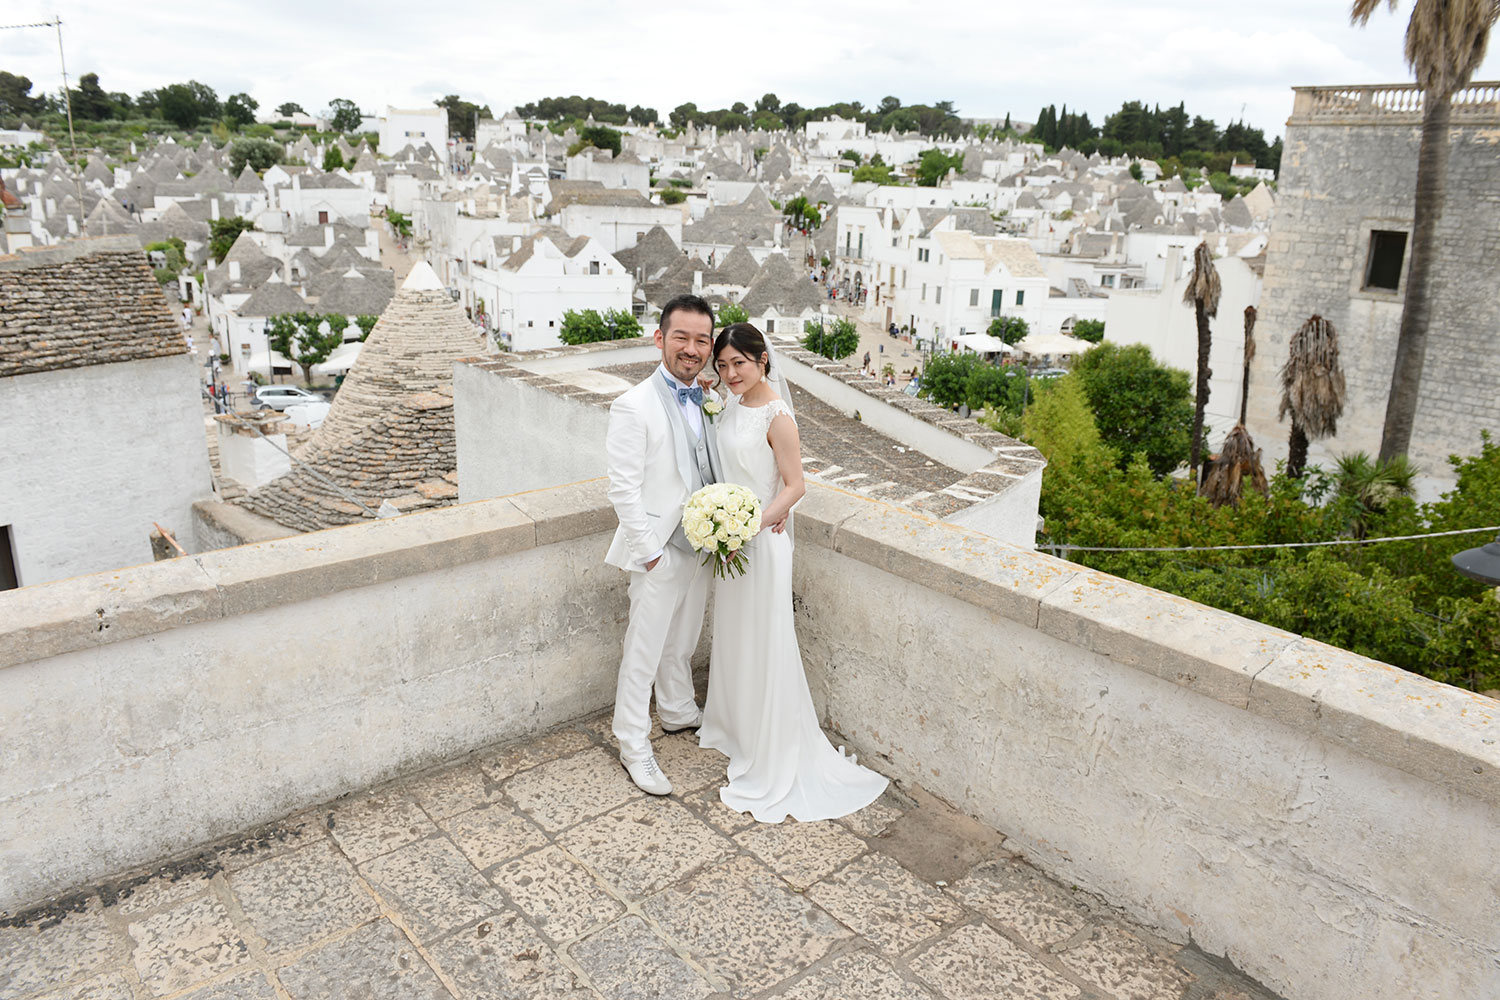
(776, 526)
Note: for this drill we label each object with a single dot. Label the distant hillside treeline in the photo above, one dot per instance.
(1151, 133)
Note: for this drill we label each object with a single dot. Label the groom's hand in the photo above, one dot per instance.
(652, 564)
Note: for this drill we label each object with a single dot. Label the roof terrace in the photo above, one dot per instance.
(370, 762)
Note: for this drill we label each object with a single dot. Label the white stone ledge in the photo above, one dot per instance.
(90, 611)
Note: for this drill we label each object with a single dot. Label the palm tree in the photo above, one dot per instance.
(1370, 486)
(1312, 388)
(1249, 356)
(1445, 43)
(1203, 292)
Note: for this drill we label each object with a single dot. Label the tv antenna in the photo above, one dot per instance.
(56, 22)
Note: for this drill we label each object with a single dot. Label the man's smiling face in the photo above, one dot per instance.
(686, 340)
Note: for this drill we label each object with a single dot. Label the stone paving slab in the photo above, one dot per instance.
(537, 870)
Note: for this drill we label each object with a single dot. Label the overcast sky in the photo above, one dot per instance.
(990, 57)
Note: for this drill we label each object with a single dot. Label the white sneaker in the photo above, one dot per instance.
(648, 777)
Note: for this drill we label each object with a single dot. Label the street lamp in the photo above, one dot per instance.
(1482, 563)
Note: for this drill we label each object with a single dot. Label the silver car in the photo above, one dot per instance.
(279, 397)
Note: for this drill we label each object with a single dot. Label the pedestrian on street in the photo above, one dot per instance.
(867, 359)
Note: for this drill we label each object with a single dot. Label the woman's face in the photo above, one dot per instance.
(738, 372)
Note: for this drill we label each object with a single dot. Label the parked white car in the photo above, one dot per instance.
(279, 397)
(307, 415)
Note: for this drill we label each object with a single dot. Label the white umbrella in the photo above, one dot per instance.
(341, 360)
(1055, 344)
(983, 343)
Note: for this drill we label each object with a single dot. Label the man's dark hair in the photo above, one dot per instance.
(686, 303)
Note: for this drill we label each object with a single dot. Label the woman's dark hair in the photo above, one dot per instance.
(746, 339)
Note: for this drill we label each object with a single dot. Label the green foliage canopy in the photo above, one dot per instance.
(305, 339)
(589, 326)
(1010, 329)
(1139, 404)
(223, 232)
(934, 164)
(344, 115)
(731, 312)
(259, 154)
(835, 340)
(1091, 330)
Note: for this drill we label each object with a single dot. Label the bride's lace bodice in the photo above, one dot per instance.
(744, 451)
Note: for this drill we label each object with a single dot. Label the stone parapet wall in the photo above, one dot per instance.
(1324, 820)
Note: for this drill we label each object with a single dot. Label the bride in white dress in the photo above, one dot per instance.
(759, 711)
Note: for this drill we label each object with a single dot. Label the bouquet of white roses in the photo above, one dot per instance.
(718, 520)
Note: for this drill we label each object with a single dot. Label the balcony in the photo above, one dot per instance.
(1389, 104)
(377, 753)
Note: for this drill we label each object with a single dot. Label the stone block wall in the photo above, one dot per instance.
(1341, 176)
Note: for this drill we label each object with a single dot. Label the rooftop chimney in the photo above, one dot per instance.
(327, 236)
(213, 208)
(234, 270)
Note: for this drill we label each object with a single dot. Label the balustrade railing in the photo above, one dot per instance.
(1392, 102)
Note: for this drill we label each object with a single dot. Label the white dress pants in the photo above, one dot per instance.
(666, 618)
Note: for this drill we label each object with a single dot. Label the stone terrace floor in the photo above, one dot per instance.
(847, 452)
(537, 869)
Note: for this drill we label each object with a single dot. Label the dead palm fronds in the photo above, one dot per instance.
(1445, 44)
(1312, 388)
(1235, 464)
(1202, 293)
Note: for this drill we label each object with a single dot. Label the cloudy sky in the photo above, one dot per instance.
(990, 57)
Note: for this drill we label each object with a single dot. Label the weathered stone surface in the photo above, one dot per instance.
(885, 904)
(626, 961)
(249, 986)
(376, 962)
(1018, 897)
(689, 767)
(645, 845)
(184, 945)
(492, 834)
(34, 957)
(433, 886)
(105, 986)
(873, 819)
(560, 793)
(372, 825)
(744, 923)
(87, 302)
(506, 761)
(861, 975)
(1119, 963)
(302, 897)
(801, 853)
(975, 963)
(452, 790)
(502, 958)
(558, 895)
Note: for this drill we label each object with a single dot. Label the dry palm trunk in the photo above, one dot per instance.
(1249, 356)
(1312, 388)
(1203, 292)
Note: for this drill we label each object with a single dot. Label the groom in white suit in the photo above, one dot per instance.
(660, 449)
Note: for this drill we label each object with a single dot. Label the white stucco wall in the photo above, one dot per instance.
(495, 460)
(398, 644)
(249, 459)
(92, 456)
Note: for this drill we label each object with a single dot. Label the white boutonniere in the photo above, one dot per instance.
(712, 408)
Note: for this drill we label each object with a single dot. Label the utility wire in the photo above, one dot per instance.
(303, 465)
(1061, 549)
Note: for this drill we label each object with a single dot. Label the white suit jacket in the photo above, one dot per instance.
(649, 462)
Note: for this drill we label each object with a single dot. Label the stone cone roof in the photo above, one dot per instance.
(779, 286)
(739, 266)
(389, 437)
(411, 350)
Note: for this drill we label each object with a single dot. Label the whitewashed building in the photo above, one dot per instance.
(525, 295)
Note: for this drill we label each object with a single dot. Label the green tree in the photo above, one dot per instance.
(1091, 330)
(684, 115)
(1061, 425)
(400, 223)
(90, 102)
(187, 104)
(1445, 44)
(643, 116)
(259, 154)
(934, 164)
(872, 174)
(853, 156)
(768, 102)
(589, 326)
(673, 196)
(223, 232)
(731, 312)
(1139, 404)
(175, 252)
(836, 340)
(344, 115)
(1011, 329)
(333, 159)
(366, 324)
(462, 115)
(239, 110)
(305, 339)
(15, 95)
(945, 378)
(289, 108)
(601, 137)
